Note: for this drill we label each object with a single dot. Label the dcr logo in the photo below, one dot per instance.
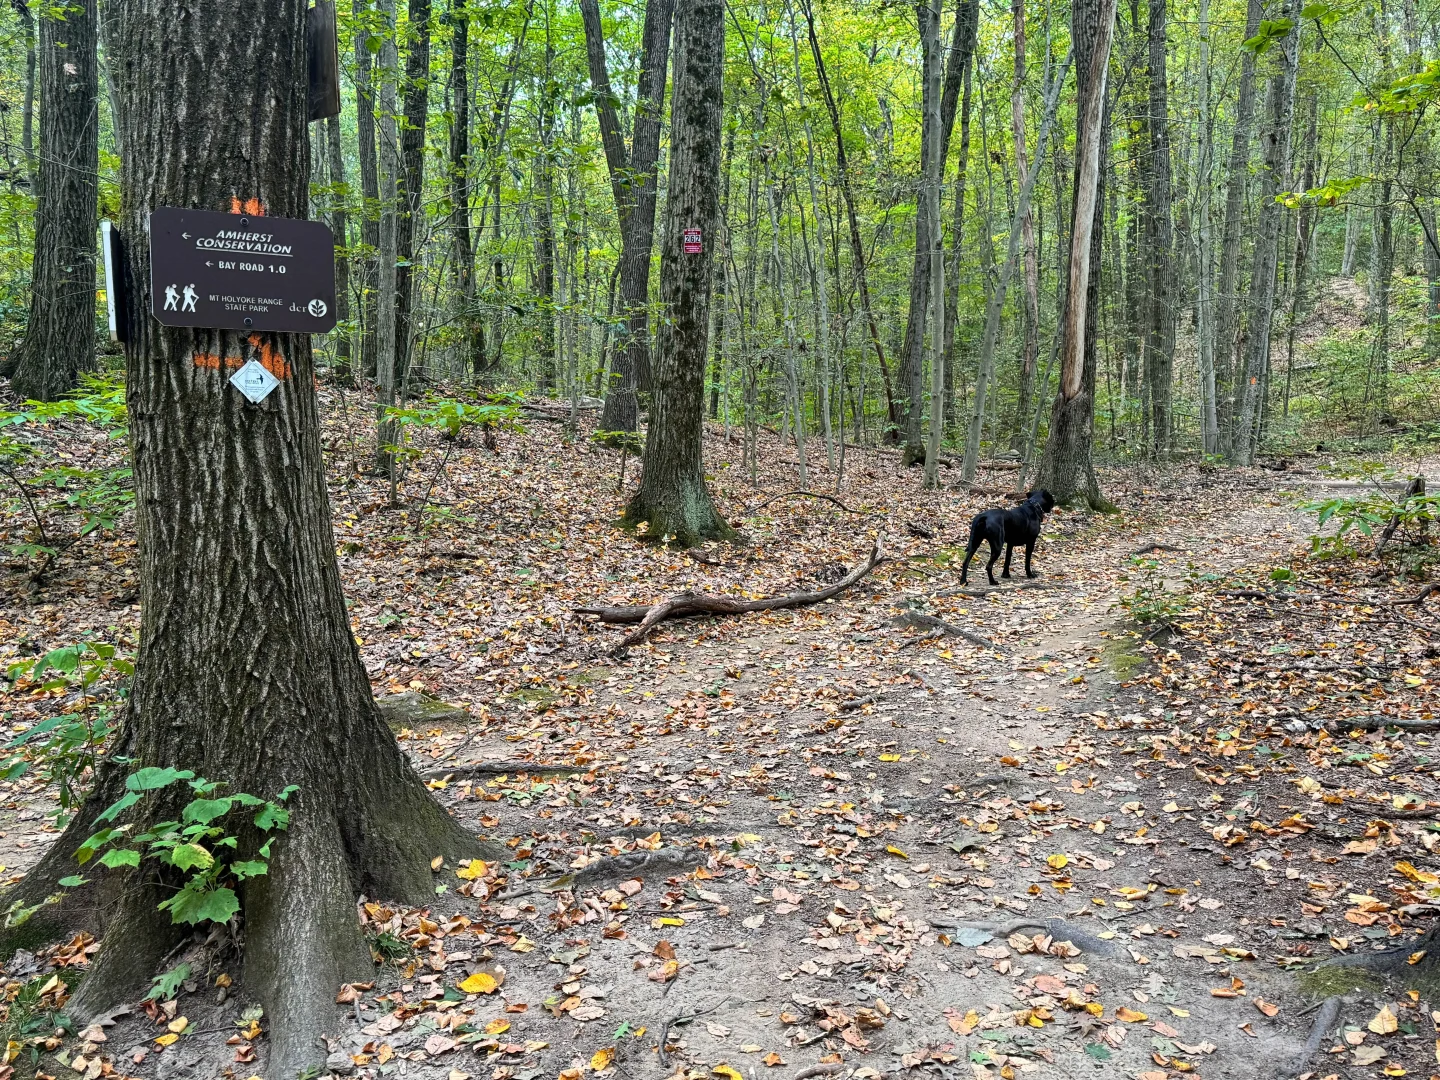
(317, 308)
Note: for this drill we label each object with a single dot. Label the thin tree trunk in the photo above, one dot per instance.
(996, 304)
(1066, 469)
(546, 377)
(1205, 255)
(1304, 226)
(410, 215)
(632, 180)
(339, 224)
(1159, 241)
(1227, 292)
(27, 103)
(59, 340)
(368, 262)
(1030, 350)
(1274, 178)
(673, 500)
(957, 237)
(472, 333)
(718, 369)
(387, 363)
(930, 39)
(857, 246)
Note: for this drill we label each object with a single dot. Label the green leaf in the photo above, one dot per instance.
(117, 857)
(152, 779)
(248, 868)
(191, 857)
(204, 811)
(124, 803)
(1098, 1051)
(167, 984)
(194, 906)
(272, 817)
(73, 882)
(87, 850)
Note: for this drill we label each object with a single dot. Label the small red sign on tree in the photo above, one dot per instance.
(693, 245)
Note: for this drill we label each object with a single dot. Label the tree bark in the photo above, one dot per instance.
(1227, 291)
(1030, 350)
(387, 363)
(368, 262)
(247, 671)
(340, 226)
(1205, 254)
(472, 334)
(672, 499)
(632, 180)
(962, 44)
(546, 377)
(1159, 240)
(411, 191)
(59, 340)
(27, 103)
(1065, 466)
(1274, 178)
(935, 274)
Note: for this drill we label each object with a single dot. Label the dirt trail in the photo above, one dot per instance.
(853, 857)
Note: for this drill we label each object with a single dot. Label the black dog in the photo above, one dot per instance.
(1008, 528)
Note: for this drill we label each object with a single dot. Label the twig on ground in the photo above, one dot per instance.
(808, 494)
(941, 628)
(685, 1018)
(686, 604)
(1419, 598)
(1153, 547)
(1375, 723)
(498, 768)
(819, 1070)
(859, 703)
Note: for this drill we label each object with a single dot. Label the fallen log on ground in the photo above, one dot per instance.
(1375, 723)
(940, 628)
(687, 604)
(808, 494)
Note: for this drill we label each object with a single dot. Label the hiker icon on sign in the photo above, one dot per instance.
(172, 298)
(190, 297)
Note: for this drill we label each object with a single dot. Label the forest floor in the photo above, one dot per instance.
(821, 841)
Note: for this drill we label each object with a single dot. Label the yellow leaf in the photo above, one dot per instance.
(497, 1027)
(1393, 1069)
(480, 983)
(1384, 1022)
(726, 1071)
(1094, 1008)
(177, 1025)
(166, 1040)
(893, 850)
(474, 870)
(1057, 861)
(1130, 1016)
(601, 1059)
(437, 862)
(670, 920)
(1178, 1012)
(889, 757)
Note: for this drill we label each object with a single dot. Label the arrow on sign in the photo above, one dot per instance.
(186, 235)
(209, 263)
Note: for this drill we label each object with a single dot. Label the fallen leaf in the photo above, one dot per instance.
(1384, 1022)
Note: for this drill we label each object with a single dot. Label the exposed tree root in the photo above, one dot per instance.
(498, 768)
(1375, 723)
(1057, 928)
(666, 860)
(1324, 1021)
(688, 604)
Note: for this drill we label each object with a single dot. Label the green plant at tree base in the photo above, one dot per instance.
(32, 1014)
(1367, 511)
(200, 846)
(65, 503)
(66, 747)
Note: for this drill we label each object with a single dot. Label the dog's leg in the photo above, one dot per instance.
(994, 558)
(1029, 554)
(970, 550)
(1009, 550)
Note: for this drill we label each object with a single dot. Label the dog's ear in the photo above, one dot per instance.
(1047, 499)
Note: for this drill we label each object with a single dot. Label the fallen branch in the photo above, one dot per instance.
(1154, 547)
(941, 628)
(1375, 723)
(1419, 598)
(687, 604)
(859, 703)
(819, 1070)
(981, 590)
(1415, 487)
(499, 768)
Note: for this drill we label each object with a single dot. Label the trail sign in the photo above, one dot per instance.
(692, 241)
(241, 271)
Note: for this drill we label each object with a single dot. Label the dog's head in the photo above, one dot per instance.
(1041, 498)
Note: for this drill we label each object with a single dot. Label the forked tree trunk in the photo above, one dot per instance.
(59, 338)
(247, 671)
(1065, 466)
(672, 499)
(632, 180)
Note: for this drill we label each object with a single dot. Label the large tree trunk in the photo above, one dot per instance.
(1204, 254)
(912, 366)
(59, 338)
(672, 499)
(387, 362)
(935, 274)
(632, 180)
(1274, 178)
(409, 212)
(368, 263)
(1227, 291)
(1159, 241)
(247, 671)
(1065, 466)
